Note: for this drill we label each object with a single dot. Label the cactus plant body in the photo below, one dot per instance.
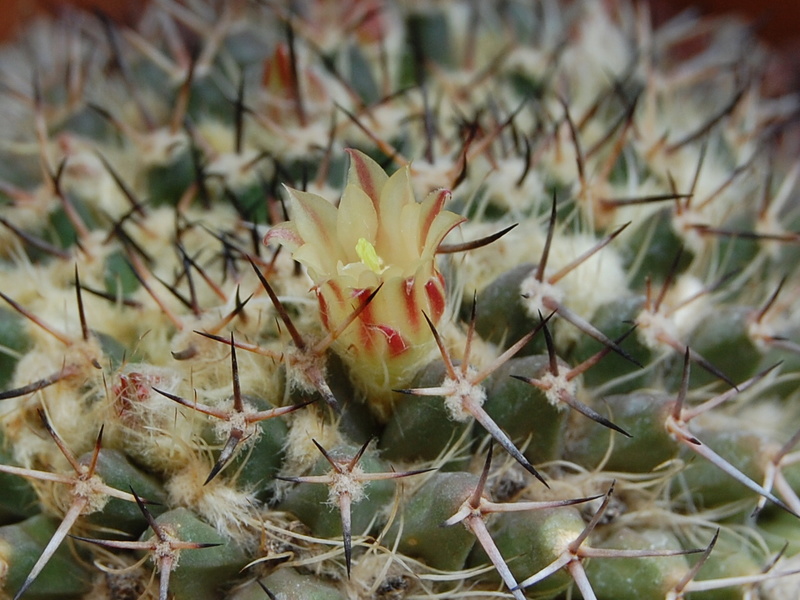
(397, 300)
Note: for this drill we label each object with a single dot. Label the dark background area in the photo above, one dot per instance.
(777, 22)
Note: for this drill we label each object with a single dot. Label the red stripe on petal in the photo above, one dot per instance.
(410, 302)
(434, 288)
(441, 197)
(365, 177)
(337, 291)
(361, 295)
(284, 234)
(323, 310)
(396, 343)
(366, 320)
(332, 288)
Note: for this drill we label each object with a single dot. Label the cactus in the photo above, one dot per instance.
(353, 300)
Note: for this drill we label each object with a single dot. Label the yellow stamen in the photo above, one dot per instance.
(369, 256)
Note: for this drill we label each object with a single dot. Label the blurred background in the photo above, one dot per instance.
(778, 21)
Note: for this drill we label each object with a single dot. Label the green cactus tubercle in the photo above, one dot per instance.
(388, 299)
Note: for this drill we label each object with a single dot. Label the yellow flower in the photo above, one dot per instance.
(378, 236)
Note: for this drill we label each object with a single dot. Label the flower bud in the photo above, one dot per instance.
(379, 235)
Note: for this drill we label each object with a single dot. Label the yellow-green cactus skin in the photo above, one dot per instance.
(386, 300)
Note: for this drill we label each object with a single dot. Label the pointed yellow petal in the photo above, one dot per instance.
(314, 217)
(408, 230)
(284, 234)
(395, 194)
(430, 207)
(357, 219)
(366, 174)
(443, 223)
(320, 263)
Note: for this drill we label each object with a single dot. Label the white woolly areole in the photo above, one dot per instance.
(346, 483)
(298, 364)
(301, 454)
(602, 273)
(536, 294)
(161, 146)
(785, 587)
(652, 326)
(713, 202)
(237, 170)
(295, 141)
(164, 551)
(678, 323)
(92, 490)
(59, 400)
(85, 175)
(238, 421)
(459, 390)
(504, 189)
(596, 52)
(688, 317)
(225, 507)
(146, 421)
(559, 385)
(685, 223)
(760, 332)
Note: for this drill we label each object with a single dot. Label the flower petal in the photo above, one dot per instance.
(285, 234)
(314, 258)
(431, 206)
(366, 174)
(357, 219)
(408, 228)
(395, 194)
(314, 217)
(443, 223)
(315, 221)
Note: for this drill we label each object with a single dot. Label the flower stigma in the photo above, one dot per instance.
(369, 256)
